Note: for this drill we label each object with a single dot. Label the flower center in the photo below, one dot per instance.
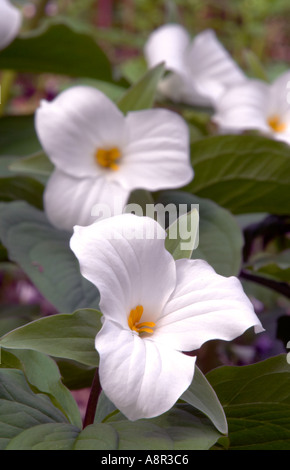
(276, 124)
(108, 157)
(134, 319)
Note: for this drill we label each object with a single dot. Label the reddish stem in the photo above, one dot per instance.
(93, 400)
(105, 13)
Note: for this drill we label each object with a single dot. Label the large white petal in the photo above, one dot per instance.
(243, 107)
(10, 23)
(212, 67)
(72, 201)
(204, 306)
(125, 257)
(182, 88)
(157, 154)
(279, 98)
(143, 379)
(168, 44)
(283, 136)
(75, 125)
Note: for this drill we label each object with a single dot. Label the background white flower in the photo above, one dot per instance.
(201, 68)
(257, 105)
(10, 23)
(153, 309)
(100, 155)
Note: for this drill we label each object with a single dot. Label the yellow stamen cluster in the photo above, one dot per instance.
(108, 157)
(276, 124)
(134, 319)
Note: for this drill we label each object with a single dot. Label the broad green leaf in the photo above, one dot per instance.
(112, 90)
(97, 437)
(68, 336)
(198, 121)
(141, 198)
(182, 235)
(22, 188)
(5, 166)
(220, 238)
(44, 254)
(141, 435)
(201, 395)
(142, 94)
(181, 428)
(134, 69)
(104, 408)
(275, 266)
(242, 173)
(21, 408)
(178, 429)
(75, 376)
(50, 436)
(36, 164)
(12, 316)
(18, 136)
(256, 400)
(255, 66)
(42, 373)
(59, 49)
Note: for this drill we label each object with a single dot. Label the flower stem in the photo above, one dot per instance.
(280, 287)
(39, 14)
(7, 80)
(93, 400)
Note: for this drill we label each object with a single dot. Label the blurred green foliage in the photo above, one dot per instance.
(245, 27)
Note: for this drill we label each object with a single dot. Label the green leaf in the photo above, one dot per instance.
(112, 90)
(275, 266)
(50, 436)
(140, 198)
(12, 316)
(97, 437)
(68, 336)
(181, 428)
(220, 238)
(242, 173)
(141, 435)
(21, 408)
(141, 95)
(182, 235)
(59, 49)
(256, 400)
(134, 69)
(44, 254)
(104, 408)
(255, 66)
(5, 164)
(23, 188)
(36, 164)
(201, 395)
(42, 373)
(75, 375)
(18, 136)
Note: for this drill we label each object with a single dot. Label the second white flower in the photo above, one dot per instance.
(100, 155)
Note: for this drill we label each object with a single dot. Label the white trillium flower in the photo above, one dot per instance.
(10, 23)
(100, 155)
(257, 105)
(154, 308)
(201, 68)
